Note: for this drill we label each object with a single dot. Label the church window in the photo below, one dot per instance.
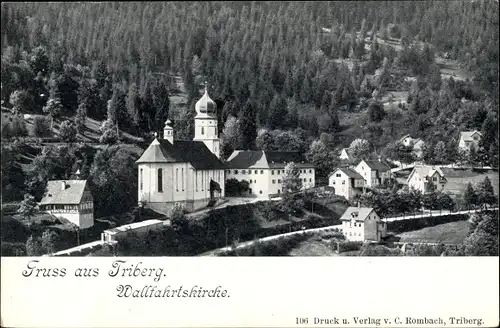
(310, 171)
(274, 181)
(310, 180)
(177, 179)
(261, 171)
(272, 172)
(202, 130)
(182, 179)
(279, 191)
(260, 192)
(235, 171)
(140, 177)
(279, 181)
(255, 171)
(160, 180)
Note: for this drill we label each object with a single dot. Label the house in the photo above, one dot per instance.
(188, 173)
(264, 170)
(362, 224)
(374, 172)
(468, 139)
(71, 200)
(347, 182)
(417, 144)
(422, 175)
(345, 154)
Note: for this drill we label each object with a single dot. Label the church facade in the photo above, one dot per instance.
(188, 173)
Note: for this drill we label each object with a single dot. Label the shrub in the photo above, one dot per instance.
(234, 187)
(347, 246)
(18, 127)
(379, 250)
(67, 131)
(41, 127)
(109, 137)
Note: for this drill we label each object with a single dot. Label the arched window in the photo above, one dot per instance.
(202, 130)
(177, 179)
(160, 180)
(182, 178)
(140, 178)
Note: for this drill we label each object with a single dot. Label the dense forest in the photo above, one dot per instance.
(304, 76)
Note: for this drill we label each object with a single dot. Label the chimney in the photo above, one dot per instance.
(63, 185)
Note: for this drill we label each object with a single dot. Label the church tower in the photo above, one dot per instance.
(168, 131)
(205, 123)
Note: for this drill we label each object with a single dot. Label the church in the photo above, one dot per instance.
(188, 173)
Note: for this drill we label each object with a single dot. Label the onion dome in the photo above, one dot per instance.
(205, 105)
(168, 123)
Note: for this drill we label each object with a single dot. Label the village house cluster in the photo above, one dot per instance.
(191, 173)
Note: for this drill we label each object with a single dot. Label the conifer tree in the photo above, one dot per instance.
(248, 126)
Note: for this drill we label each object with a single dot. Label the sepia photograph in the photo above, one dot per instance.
(250, 129)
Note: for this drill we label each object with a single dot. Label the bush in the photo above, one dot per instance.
(41, 127)
(14, 127)
(67, 131)
(347, 246)
(379, 250)
(109, 137)
(234, 187)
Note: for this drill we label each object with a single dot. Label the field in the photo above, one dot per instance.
(458, 179)
(451, 68)
(312, 248)
(448, 233)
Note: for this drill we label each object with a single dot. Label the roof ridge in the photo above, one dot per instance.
(264, 156)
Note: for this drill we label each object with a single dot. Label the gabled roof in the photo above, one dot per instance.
(243, 159)
(425, 171)
(349, 172)
(377, 165)
(418, 144)
(71, 194)
(194, 152)
(281, 158)
(345, 150)
(467, 135)
(356, 213)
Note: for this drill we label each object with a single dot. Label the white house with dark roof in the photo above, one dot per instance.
(422, 175)
(264, 170)
(374, 172)
(362, 224)
(469, 139)
(71, 200)
(347, 182)
(416, 144)
(183, 172)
